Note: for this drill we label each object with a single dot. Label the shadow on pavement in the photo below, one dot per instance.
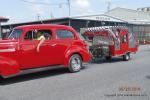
(33, 76)
(148, 77)
(101, 61)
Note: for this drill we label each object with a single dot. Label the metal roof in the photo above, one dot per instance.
(37, 21)
(100, 17)
(129, 15)
(63, 20)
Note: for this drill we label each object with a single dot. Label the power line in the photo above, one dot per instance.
(43, 3)
(52, 4)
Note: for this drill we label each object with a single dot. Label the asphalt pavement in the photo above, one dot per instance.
(100, 80)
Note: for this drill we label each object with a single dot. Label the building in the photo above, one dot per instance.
(144, 9)
(138, 21)
(129, 15)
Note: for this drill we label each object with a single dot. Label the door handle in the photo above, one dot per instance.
(53, 45)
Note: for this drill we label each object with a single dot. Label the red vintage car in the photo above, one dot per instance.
(62, 46)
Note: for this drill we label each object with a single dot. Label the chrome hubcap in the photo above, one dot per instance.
(76, 63)
(127, 56)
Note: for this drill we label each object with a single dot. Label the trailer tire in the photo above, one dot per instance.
(75, 63)
(108, 58)
(126, 57)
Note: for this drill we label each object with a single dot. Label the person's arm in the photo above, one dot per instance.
(42, 39)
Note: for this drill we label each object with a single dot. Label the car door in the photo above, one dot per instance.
(49, 52)
(64, 40)
(124, 41)
(30, 58)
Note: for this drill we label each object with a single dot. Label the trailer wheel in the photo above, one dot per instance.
(75, 63)
(108, 58)
(126, 57)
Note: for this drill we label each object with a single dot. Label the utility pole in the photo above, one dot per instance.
(0, 32)
(69, 7)
(108, 5)
(38, 16)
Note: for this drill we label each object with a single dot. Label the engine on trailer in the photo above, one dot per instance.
(100, 46)
(98, 51)
(99, 41)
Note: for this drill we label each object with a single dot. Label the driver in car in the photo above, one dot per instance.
(41, 38)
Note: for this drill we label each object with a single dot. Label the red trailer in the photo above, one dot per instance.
(110, 42)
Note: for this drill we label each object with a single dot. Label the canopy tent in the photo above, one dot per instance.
(2, 19)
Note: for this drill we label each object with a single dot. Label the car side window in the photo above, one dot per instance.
(64, 34)
(29, 35)
(34, 34)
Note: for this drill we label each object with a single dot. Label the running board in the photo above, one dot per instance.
(34, 70)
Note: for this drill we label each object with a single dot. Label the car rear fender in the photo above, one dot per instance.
(8, 67)
(76, 50)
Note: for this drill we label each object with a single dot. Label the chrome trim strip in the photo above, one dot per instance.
(8, 50)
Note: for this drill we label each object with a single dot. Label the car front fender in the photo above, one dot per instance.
(8, 67)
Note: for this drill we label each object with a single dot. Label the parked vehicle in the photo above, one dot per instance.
(107, 42)
(18, 53)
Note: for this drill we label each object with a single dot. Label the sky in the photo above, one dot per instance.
(29, 10)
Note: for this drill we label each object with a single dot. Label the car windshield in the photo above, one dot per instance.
(15, 34)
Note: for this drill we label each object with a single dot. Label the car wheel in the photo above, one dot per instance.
(75, 63)
(126, 57)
